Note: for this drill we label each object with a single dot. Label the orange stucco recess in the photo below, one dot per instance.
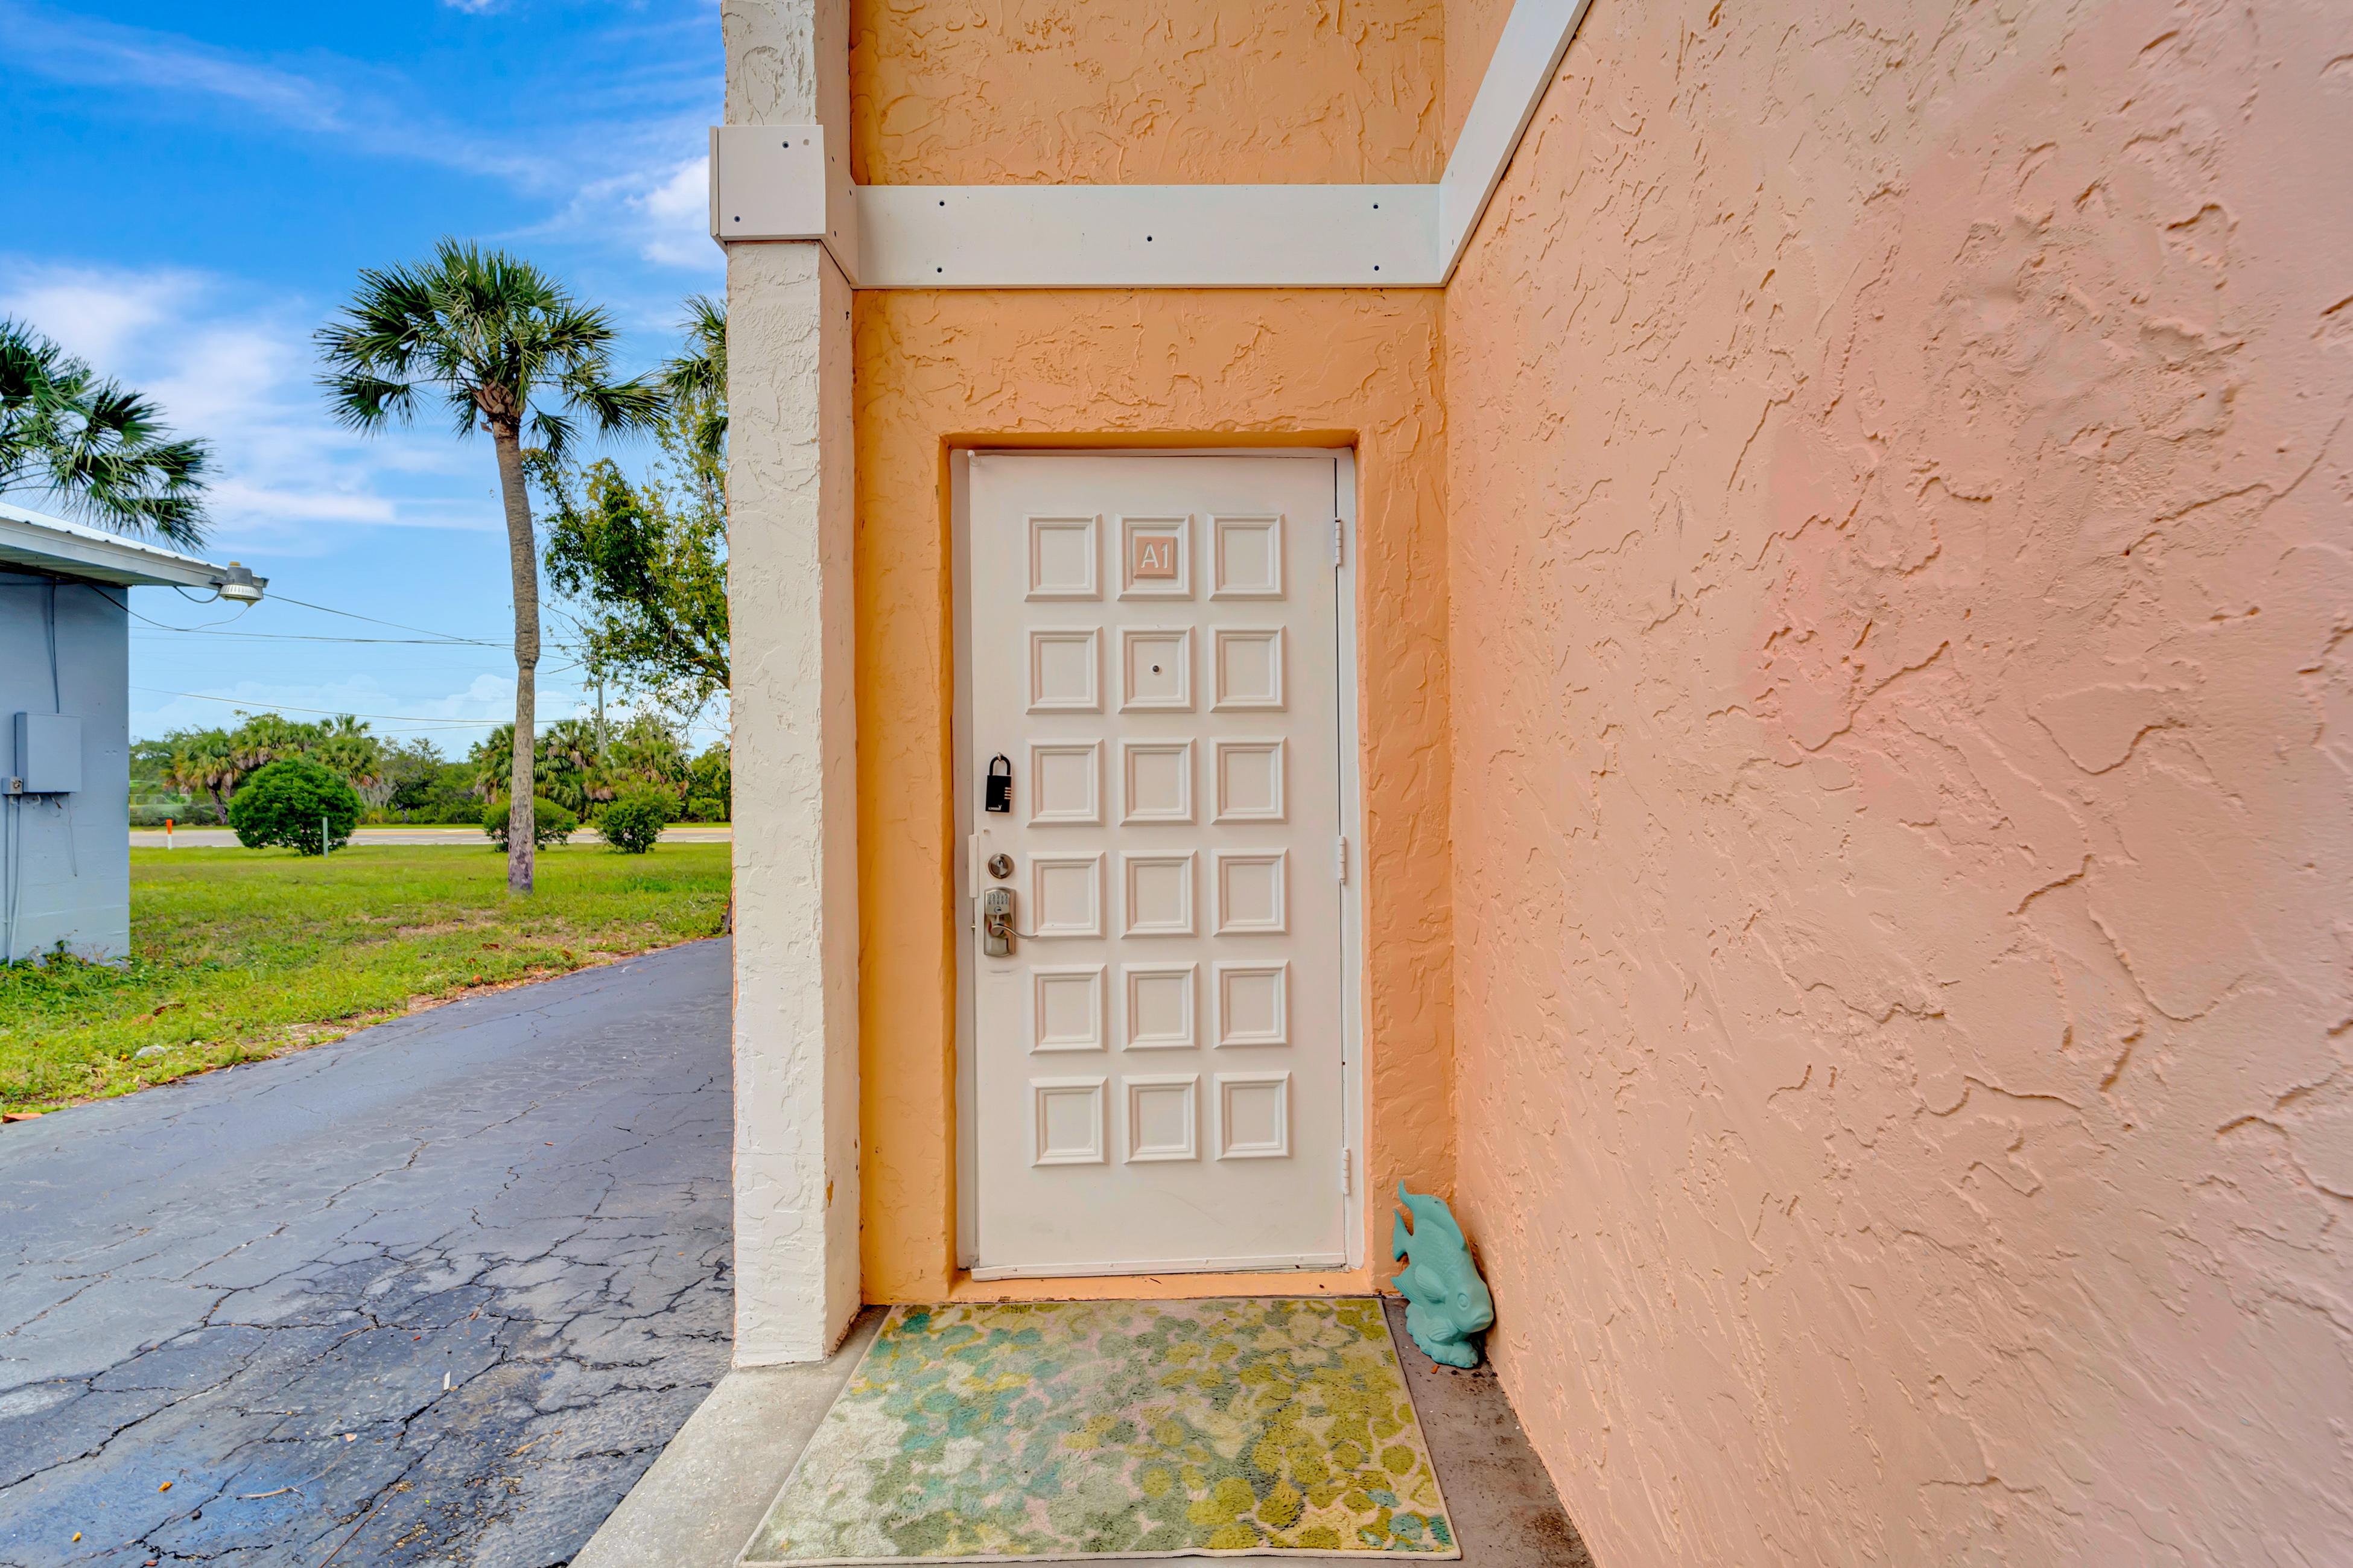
(1171, 368)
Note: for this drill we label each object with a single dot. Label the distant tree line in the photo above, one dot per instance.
(193, 774)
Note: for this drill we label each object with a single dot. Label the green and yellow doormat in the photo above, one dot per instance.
(996, 1433)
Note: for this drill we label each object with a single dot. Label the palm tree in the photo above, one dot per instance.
(100, 447)
(264, 738)
(206, 761)
(696, 378)
(508, 351)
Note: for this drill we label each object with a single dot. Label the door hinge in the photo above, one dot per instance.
(1339, 541)
(1340, 859)
(1348, 1172)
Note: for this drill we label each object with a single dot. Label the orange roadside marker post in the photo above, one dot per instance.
(167, 833)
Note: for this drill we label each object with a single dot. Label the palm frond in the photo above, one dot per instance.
(102, 447)
(502, 344)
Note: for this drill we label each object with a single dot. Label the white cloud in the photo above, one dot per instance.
(355, 102)
(287, 480)
(677, 215)
(660, 207)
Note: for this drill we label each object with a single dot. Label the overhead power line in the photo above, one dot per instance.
(309, 637)
(396, 626)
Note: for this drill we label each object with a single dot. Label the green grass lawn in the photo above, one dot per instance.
(238, 955)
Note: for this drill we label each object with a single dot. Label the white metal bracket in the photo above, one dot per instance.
(783, 182)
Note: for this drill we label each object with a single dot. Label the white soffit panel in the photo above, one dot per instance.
(782, 182)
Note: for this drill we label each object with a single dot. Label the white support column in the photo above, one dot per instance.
(795, 853)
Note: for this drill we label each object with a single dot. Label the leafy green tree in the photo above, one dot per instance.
(101, 448)
(409, 775)
(203, 763)
(508, 351)
(646, 559)
(641, 750)
(562, 756)
(644, 753)
(710, 785)
(291, 803)
(434, 791)
(214, 763)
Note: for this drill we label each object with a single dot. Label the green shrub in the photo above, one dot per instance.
(283, 802)
(549, 823)
(632, 823)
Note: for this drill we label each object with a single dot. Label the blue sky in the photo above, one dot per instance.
(189, 191)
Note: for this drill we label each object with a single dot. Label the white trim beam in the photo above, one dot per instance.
(1146, 237)
(789, 182)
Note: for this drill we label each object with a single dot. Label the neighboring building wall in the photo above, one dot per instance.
(1201, 90)
(68, 858)
(1898, 494)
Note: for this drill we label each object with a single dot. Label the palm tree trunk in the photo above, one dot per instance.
(522, 556)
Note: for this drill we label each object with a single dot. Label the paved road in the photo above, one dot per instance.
(439, 1291)
(222, 838)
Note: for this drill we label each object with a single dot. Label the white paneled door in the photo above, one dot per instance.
(1159, 1056)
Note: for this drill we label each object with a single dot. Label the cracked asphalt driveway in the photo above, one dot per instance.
(436, 1292)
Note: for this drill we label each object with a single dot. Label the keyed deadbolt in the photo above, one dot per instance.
(999, 793)
(1000, 865)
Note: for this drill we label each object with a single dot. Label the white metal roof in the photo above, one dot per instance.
(36, 541)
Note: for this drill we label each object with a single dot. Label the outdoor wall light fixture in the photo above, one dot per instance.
(240, 586)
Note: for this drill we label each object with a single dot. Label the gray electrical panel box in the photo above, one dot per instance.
(48, 754)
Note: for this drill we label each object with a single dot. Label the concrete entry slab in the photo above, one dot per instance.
(701, 1500)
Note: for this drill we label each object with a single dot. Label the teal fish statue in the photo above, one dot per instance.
(1446, 1301)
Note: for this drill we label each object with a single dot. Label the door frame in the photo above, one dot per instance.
(963, 874)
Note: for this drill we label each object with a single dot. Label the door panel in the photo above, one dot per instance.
(1158, 1064)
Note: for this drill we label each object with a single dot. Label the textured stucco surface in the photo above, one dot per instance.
(1197, 368)
(1898, 502)
(1471, 28)
(795, 722)
(1145, 91)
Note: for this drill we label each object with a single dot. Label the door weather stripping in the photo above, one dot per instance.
(792, 181)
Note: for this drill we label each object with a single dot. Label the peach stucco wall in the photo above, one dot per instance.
(1898, 494)
(1319, 367)
(1471, 28)
(1145, 91)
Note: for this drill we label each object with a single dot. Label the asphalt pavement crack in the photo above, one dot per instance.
(432, 1289)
